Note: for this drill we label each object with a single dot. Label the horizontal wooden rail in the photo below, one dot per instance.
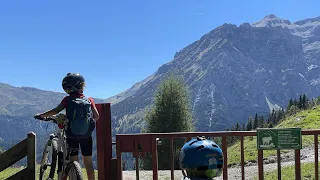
(13, 155)
(26, 147)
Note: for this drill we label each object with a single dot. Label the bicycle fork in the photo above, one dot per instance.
(63, 158)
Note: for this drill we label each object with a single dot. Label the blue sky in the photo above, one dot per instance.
(114, 43)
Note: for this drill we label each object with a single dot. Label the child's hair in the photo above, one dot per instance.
(82, 86)
(201, 158)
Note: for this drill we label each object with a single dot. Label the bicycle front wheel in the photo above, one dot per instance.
(73, 171)
(49, 154)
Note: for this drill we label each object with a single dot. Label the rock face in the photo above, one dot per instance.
(309, 32)
(233, 72)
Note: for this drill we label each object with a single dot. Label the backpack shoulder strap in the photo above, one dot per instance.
(69, 99)
(86, 98)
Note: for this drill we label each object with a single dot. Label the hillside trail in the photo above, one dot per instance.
(251, 171)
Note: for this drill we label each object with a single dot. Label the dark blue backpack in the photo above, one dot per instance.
(79, 113)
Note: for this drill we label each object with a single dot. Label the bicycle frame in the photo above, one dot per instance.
(63, 152)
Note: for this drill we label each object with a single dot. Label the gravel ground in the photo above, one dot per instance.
(251, 170)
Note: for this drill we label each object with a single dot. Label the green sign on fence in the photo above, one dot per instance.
(279, 138)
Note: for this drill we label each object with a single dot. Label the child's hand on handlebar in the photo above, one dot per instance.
(38, 116)
(41, 118)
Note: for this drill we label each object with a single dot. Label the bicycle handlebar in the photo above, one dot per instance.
(51, 119)
(46, 118)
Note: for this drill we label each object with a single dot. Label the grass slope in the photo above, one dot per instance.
(11, 171)
(308, 119)
(288, 173)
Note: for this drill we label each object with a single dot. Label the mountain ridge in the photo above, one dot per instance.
(244, 25)
(282, 46)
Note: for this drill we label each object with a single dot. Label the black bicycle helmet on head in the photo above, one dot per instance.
(72, 83)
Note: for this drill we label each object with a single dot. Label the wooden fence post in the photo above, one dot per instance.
(104, 141)
(31, 156)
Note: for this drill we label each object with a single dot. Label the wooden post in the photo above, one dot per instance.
(119, 159)
(154, 159)
(242, 157)
(171, 158)
(316, 155)
(114, 169)
(104, 141)
(260, 164)
(225, 157)
(297, 164)
(279, 163)
(136, 153)
(31, 156)
(100, 145)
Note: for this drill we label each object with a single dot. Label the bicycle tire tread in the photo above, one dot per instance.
(77, 167)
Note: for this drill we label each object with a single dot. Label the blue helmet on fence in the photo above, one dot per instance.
(201, 154)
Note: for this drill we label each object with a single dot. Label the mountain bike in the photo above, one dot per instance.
(59, 150)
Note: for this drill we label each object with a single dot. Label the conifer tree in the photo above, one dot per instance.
(249, 124)
(260, 122)
(170, 113)
(255, 122)
(295, 102)
(290, 103)
(237, 128)
(304, 101)
(300, 102)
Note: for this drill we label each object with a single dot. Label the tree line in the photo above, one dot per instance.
(275, 117)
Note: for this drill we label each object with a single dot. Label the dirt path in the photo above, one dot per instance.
(307, 155)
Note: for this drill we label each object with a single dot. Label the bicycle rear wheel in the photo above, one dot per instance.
(73, 171)
(45, 158)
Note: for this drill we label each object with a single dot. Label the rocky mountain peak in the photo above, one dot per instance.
(272, 20)
(271, 16)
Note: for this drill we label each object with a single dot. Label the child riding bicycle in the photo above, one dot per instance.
(81, 113)
(202, 159)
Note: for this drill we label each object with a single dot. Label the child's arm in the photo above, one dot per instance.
(95, 113)
(94, 110)
(53, 111)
